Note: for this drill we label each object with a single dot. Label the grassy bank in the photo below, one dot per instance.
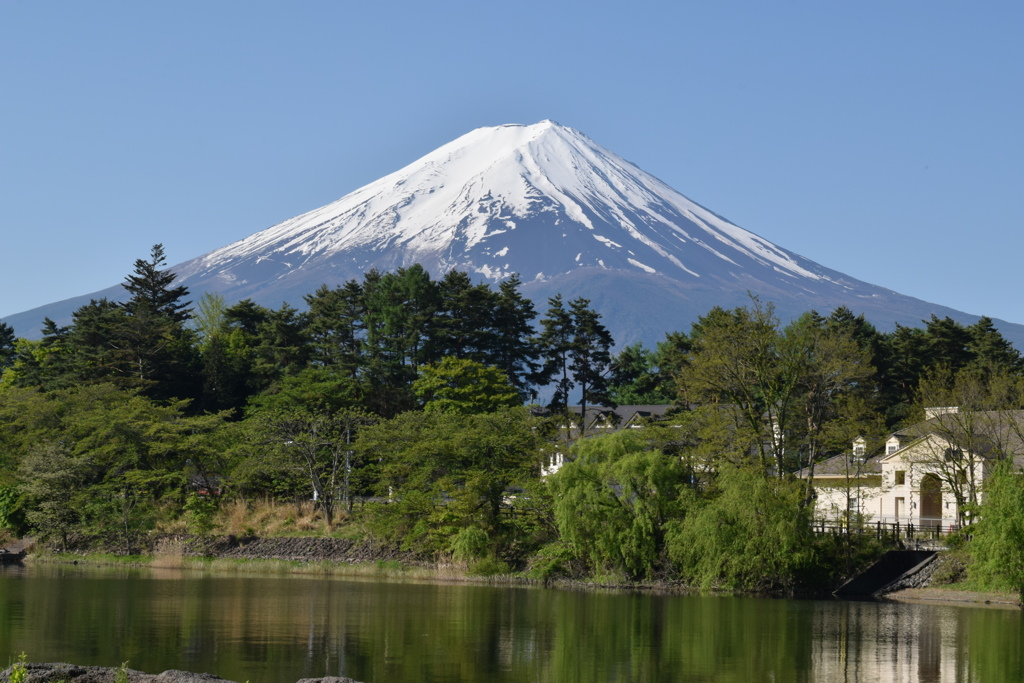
(381, 569)
(387, 570)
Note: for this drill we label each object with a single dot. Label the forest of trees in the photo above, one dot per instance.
(422, 394)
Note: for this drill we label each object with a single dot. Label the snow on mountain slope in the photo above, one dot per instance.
(548, 203)
(489, 201)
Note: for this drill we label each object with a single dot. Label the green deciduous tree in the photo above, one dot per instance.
(997, 543)
(445, 472)
(740, 360)
(125, 453)
(752, 533)
(318, 446)
(53, 483)
(612, 502)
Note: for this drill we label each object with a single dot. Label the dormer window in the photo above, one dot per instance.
(859, 447)
(891, 448)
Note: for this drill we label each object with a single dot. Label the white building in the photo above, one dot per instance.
(928, 474)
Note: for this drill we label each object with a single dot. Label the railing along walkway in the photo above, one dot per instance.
(894, 531)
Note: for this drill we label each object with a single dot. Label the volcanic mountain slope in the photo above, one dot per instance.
(548, 203)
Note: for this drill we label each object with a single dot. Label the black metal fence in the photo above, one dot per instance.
(891, 531)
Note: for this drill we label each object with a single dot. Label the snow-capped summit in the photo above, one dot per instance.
(548, 203)
(540, 200)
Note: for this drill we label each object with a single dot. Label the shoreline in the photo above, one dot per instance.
(338, 558)
(39, 672)
(948, 595)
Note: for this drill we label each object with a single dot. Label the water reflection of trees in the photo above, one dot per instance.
(266, 629)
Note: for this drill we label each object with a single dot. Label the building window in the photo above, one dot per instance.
(901, 477)
(891, 448)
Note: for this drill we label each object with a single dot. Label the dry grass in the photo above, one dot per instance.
(271, 518)
(169, 554)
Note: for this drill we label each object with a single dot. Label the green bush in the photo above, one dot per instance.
(553, 561)
(199, 512)
(997, 546)
(12, 516)
(489, 566)
(469, 544)
(755, 534)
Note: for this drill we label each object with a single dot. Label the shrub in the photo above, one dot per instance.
(755, 534)
(997, 546)
(469, 544)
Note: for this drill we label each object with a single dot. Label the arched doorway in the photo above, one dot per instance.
(931, 500)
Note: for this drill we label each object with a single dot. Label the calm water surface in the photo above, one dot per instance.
(281, 629)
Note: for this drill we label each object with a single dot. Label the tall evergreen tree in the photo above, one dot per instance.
(45, 363)
(635, 377)
(576, 349)
(7, 340)
(591, 354)
(92, 342)
(152, 286)
(464, 325)
(282, 345)
(247, 316)
(400, 310)
(514, 349)
(336, 327)
(948, 343)
(555, 343)
(990, 349)
(152, 348)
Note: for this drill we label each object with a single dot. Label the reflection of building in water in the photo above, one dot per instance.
(870, 641)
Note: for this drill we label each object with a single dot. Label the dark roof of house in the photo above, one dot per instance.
(845, 465)
(621, 416)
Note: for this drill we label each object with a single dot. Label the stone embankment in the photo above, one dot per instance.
(292, 549)
(71, 673)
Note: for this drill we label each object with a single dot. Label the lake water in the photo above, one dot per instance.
(278, 630)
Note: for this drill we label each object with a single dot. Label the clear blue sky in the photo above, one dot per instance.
(881, 139)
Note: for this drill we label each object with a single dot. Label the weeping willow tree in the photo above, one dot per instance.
(997, 546)
(750, 533)
(613, 500)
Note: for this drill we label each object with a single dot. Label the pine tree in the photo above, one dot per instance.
(153, 350)
(151, 288)
(464, 325)
(45, 363)
(514, 350)
(400, 310)
(990, 349)
(591, 354)
(555, 343)
(336, 329)
(6, 346)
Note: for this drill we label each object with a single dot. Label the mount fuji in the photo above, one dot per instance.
(548, 203)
